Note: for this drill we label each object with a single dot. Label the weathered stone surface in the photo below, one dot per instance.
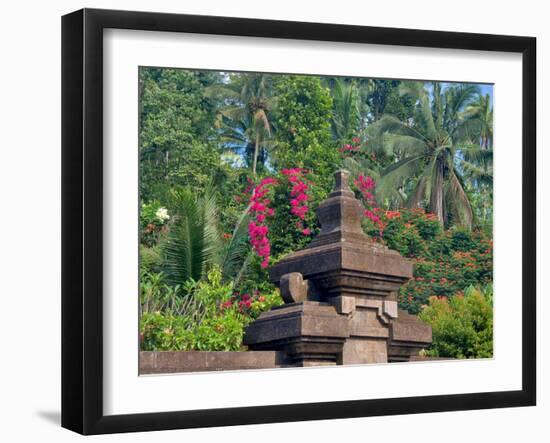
(344, 305)
(390, 308)
(167, 362)
(365, 350)
(308, 332)
(408, 335)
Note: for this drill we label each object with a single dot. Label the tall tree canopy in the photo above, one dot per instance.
(427, 167)
(245, 114)
(177, 142)
(303, 121)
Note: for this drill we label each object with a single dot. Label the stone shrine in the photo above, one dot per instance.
(340, 296)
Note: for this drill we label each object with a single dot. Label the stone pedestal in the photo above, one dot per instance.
(369, 322)
(354, 282)
(310, 333)
(408, 336)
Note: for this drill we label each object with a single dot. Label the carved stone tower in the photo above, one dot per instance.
(341, 293)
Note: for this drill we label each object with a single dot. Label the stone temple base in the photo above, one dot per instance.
(310, 333)
(361, 350)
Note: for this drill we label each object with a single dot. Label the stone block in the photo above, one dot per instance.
(307, 332)
(408, 335)
(364, 351)
(168, 362)
(344, 305)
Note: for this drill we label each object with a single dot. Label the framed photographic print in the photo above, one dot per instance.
(269, 221)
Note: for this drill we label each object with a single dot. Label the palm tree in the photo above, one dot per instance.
(478, 118)
(427, 167)
(243, 137)
(244, 116)
(478, 163)
(477, 127)
(345, 113)
(194, 241)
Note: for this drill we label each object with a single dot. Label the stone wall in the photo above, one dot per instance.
(172, 362)
(167, 362)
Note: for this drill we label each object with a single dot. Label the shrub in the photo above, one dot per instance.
(445, 262)
(155, 294)
(206, 316)
(462, 326)
(152, 221)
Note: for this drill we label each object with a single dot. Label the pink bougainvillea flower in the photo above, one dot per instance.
(366, 184)
(260, 210)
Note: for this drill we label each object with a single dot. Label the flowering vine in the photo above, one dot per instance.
(367, 185)
(351, 148)
(258, 229)
(260, 210)
(299, 197)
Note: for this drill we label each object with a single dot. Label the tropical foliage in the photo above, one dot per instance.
(233, 166)
(204, 315)
(462, 326)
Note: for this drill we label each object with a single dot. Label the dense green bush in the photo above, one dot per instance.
(445, 262)
(462, 326)
(304, 138)
(205, 316)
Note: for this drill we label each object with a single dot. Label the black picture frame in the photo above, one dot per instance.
(82, 215)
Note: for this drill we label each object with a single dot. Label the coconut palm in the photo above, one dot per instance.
(478, 159)
(478, 120)
(244, 138)
(247, 102)
(477, 127)
(427, 167)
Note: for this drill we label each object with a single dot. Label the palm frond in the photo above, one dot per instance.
(477, 174)
(402, 145)
(235, 252)
(417, 91)
(221, 92)
(458, 201)
(459, 96)
(234, 113)
(345, 114)
(475, 153)
(423, 187)
(193, 238)
(388, 124)
(358, 166)
(395, 175)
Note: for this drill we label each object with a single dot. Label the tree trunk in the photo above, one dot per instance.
(256, 152)
(436, 197)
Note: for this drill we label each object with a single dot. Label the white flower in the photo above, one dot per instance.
(162, 214)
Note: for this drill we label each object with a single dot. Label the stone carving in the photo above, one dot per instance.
(341, 294)
(293, 287)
